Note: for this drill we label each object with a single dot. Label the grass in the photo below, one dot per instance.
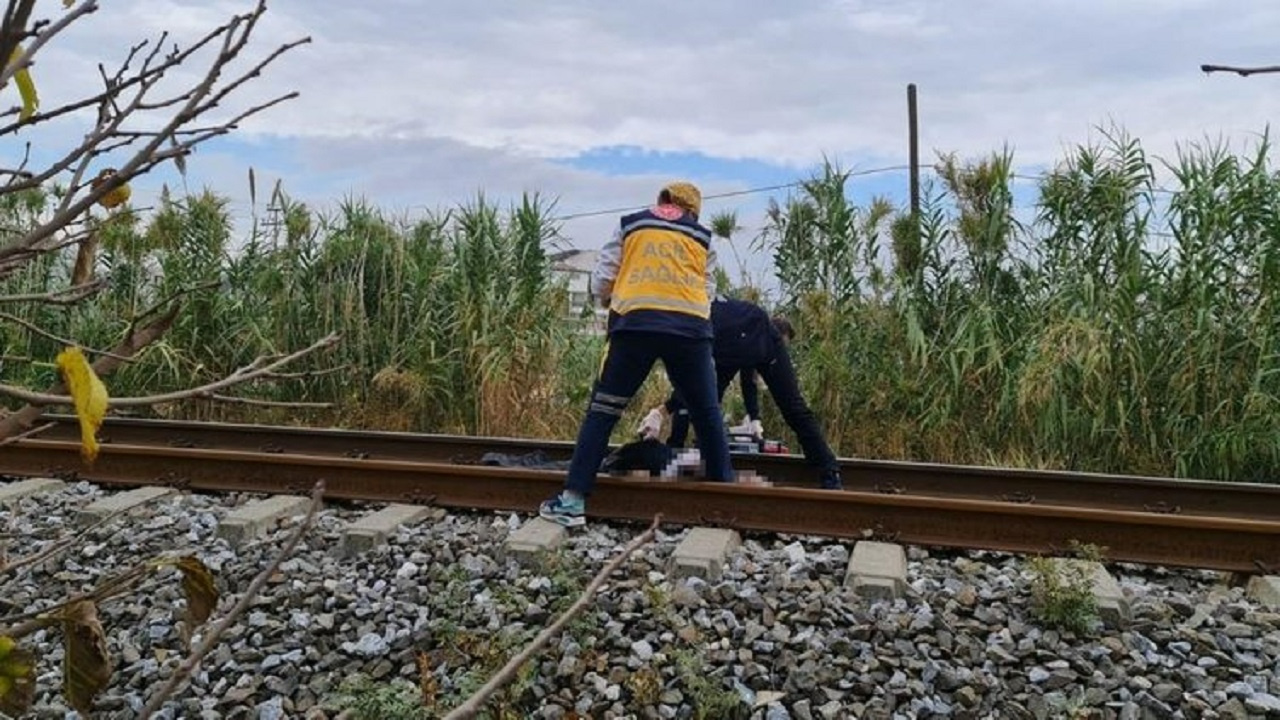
(1125, 328)
(367, 699)
(1062, 593)
(707, 694)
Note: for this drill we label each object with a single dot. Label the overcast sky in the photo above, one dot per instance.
(421, 104)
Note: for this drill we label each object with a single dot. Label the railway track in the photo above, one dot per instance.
(1231, 527)
(1247, 501)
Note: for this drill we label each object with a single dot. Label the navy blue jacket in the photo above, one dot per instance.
(744, 334)
(744, 339)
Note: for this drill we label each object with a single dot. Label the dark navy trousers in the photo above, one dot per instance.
(780, 376)
(629, 358)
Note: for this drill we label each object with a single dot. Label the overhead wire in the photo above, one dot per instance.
(732, 193)
(789, 185)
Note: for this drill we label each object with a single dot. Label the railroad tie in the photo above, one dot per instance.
(371, 531)
(1265, 590)
(877, 570)
(120, 502)
(535, 537)
(254, 519)
(9, 492)
(702, 553)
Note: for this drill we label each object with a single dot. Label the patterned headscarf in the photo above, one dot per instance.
(684, 194)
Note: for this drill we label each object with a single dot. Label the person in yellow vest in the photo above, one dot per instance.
(656, 278)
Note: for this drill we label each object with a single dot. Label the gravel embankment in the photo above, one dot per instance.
(778, 632)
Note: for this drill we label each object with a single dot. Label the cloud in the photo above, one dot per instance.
(757, 80)
(748, 79)
(423, 104)
(412, 177)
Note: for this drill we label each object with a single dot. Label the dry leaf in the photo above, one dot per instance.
(197, 584)
(85, 257)
(86, 666)
(89, 395)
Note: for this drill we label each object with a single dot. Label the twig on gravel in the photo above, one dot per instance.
(112, 587)
(250, 594)
(473, 704)
(72, 539)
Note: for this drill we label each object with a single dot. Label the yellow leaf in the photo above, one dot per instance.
(26, 87)
(89, 395)
(116, 195)
(17, 678)
(68, 3)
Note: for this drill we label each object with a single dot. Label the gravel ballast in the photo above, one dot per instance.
(779, 636)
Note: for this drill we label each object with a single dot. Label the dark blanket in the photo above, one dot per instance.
(651, 455)
(536, 460)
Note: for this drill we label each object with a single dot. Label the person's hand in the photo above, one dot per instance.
(651, 426)
(756, 429)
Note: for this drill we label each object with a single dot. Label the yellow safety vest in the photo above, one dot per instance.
(664, 264)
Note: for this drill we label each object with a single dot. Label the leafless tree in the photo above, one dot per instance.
(143, 115)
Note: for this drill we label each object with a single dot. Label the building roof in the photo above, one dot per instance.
(574, 260)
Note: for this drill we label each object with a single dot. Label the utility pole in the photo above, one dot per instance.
(913, 150)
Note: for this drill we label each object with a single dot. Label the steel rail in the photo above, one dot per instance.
(1041, 487)
(1218, 543)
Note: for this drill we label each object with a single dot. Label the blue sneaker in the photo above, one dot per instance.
(567, 512)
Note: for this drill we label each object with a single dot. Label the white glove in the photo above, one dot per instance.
(651, 426)
(756, 429)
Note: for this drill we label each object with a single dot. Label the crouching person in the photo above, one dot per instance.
(751, 344)
(655, 276)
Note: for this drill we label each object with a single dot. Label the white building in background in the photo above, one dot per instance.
(575, 266)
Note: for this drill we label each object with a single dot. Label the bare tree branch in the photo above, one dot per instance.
(112, 587)
(60, 545)
(258, 368)
(68, 236)
(24, 435)
(117, 85)
(231, 399)
(67, 296)
(14, 28)
(46, 334)
(134, 341)
(200, 98)
(250, 594)
(175, 296)
(307, 374)
(24, 59)
(147, 126)
(1241, 71)
(147, 77)
(473, 704)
